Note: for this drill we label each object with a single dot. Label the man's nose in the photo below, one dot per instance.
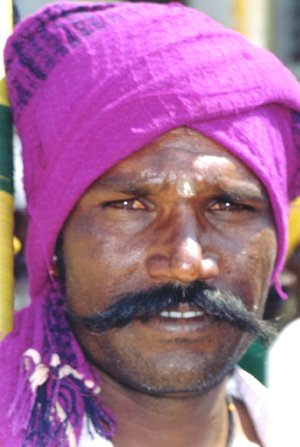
(178, 254)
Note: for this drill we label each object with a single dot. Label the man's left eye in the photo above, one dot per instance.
(230, 206)
(128, 204)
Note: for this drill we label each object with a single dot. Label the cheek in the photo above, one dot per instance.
(251, 267)
(100, 261)
(262, 253)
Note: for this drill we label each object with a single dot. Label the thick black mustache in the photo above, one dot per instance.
(219, 305)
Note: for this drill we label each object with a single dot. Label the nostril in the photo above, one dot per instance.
(157, 264)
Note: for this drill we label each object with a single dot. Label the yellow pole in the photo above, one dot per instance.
(252, 19)
(294, 226)
(6, 184)
(240, 16)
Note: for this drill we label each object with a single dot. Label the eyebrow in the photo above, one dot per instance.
(244, 191)
(136, 187)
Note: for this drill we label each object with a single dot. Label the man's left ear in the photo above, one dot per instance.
(57, 269)
(54, 270)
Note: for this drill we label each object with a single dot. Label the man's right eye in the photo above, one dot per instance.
(128, 204)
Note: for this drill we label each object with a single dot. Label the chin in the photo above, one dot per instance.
(168, 368)
(180, 389)
(173, 375)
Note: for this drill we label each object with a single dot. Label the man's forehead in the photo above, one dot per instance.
(181, 144)
(185, 157)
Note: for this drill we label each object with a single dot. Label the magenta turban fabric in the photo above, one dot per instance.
(90, 83)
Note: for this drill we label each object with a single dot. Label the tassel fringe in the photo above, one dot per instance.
(54, 395)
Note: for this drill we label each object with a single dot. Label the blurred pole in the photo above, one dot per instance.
(294, 226)
(6, 184)
(252, 19)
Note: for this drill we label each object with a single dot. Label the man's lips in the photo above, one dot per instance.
(182, 322)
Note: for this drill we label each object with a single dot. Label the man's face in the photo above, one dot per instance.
(180, 210)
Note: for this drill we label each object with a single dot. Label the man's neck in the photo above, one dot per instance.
(144, 420)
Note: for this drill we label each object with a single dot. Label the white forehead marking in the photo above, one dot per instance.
(185, 188)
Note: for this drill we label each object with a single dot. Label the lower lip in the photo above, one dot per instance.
(179, 327)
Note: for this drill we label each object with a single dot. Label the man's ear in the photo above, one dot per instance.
(58, 259)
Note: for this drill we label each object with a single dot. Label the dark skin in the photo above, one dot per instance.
(179, 210)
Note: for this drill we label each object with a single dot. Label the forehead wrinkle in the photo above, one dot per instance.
(192, 144)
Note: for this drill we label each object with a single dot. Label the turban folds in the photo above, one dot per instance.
(90, 83)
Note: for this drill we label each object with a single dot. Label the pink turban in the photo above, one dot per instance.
(90, 83)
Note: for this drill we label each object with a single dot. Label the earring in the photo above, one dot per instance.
(53, 271)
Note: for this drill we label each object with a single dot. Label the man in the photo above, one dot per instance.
(160, 155)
